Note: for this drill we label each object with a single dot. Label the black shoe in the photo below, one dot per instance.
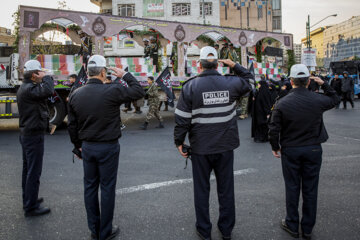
(161, 125)
(93, 237)
(144, 126)
(286, 228)
(201, 236)
(224, 237)
(114, 232)
(306, 236)
(37, 212)
(40, 200)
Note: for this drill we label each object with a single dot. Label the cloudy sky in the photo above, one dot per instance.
(294, 11)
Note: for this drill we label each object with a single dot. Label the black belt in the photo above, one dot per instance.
(103, 142)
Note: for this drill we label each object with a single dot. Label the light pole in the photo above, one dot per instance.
(308, 29)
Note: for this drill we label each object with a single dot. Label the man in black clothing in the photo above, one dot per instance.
(207, 111)
(347, 87)
(297, 131)
(336, 85)
(33, 122)
(94, 128)
(86, 46)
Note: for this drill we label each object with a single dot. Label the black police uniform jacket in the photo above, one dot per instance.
(297, 118)
(94, 109)
(32, 105)
(207, 111)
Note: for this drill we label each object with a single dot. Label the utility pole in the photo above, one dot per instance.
(308, 37)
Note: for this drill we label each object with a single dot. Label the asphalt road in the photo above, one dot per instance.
(155, 193)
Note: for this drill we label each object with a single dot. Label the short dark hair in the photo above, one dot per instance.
(209, 65)
(73, 76)
(151, 78)
(28, 74)
(300, 82)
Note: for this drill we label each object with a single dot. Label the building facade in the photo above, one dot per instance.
(189, 11)
(297, 53)
(336, 43)
(263, 15)
(342, 41)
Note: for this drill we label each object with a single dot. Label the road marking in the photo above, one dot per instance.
(175, 182)
(350, 138)
(342, 157)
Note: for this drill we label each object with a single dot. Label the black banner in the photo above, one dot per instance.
(165, 84)
(81, 78)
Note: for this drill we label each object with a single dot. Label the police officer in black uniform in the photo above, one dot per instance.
(94, 128)
(33, 122)
(297, 131)
(207, 111)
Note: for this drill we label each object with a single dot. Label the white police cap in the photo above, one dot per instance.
(33, 65)
(206, 51)
(96, 61)
(299, 71)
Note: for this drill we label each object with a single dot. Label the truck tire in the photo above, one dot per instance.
(57, 112)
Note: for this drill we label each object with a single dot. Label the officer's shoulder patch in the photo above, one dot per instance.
(189, 80)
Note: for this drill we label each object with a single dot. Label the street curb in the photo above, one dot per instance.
(9, 124)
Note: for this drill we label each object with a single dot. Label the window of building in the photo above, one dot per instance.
(106, 11)
(276, 23)
(260, 13)
(276, 4)
(181, 9)
(126, 10)
(207, 7)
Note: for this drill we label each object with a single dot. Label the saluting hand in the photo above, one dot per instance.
(228, 62)
(318, 80)
(117, 72)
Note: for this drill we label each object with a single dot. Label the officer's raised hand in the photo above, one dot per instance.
(228, 62)
(318, 80)
(117, 72)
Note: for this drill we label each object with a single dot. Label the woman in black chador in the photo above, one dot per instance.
(260, 111)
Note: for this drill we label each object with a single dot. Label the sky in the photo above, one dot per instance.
(294, 12)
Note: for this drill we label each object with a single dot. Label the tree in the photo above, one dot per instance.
(291, 59)
(16, 24)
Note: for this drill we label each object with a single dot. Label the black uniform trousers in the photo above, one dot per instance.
(33, 152)
(346, 97)
(223, 165)
(301, 169)
(100, 162)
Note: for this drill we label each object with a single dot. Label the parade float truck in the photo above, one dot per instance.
(60, 67)
(353, 67)
(99, 27)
